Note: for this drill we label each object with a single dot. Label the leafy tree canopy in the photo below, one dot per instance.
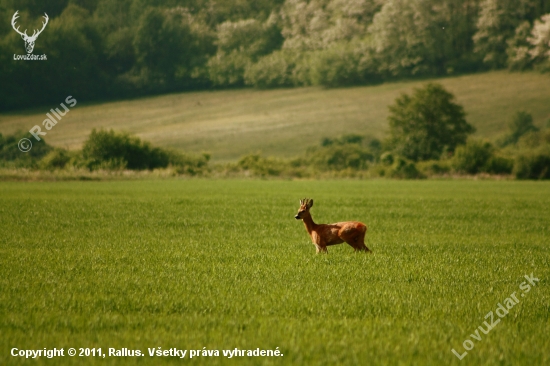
(428, 123)
(105, 49)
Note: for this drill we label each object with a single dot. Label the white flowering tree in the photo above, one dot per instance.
(318, 24)
(530, 45)
(540, 40)
(497, 23)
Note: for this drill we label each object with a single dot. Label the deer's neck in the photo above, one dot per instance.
(308, 222)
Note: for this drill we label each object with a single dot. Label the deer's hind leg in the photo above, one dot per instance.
(356, 240)
(321, 249)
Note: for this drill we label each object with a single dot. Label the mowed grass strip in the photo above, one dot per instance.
(223, 264)
(284, 122)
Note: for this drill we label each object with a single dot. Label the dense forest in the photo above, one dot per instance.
(104, 49)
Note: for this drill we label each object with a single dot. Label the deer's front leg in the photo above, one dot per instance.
(320, 245)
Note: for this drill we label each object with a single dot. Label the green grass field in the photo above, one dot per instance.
(284, 122)
(223, 264)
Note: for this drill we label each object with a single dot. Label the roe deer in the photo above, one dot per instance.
(323, 235)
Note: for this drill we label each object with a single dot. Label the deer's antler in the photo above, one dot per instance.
(34, 35)
(13, 20)
(36, 32)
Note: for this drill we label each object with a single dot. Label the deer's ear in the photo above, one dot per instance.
(310, 204)
(22, 36)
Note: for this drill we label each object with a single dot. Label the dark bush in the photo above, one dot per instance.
(404, 169)
(533, 164)
(261, 166)
(343, 140)
(473, 157)
(375, 146)
(534, 139)
(434, 167)
(55, 159)
(339, 157)
(121, 150)
(186, 164)
(387, 158)
(521, 124)
(499, 165)
(10, 155)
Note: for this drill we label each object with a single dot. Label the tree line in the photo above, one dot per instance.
(101, 49)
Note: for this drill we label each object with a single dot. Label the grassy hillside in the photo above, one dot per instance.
(284, 122)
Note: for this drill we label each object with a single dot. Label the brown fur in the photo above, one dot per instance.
(323, 235)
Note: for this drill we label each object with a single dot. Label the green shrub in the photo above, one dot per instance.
(375, 145)
(260, 166)
(380, 170)
(105, 149)
(339, 157)
(520, 125)
(55, 159)
(11, 156)
(473, 157)
(404, 169)
(534, 139)
(112, 164)
(533, 164)
(434, 167)
(499, 165)
(387, 158)
(343, 140)
(188, 164)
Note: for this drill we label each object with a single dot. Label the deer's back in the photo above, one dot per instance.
(350, 226)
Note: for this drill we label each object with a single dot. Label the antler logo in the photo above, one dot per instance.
(29, 41)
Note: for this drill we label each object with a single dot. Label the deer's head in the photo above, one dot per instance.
(305, 205)
(29, 40)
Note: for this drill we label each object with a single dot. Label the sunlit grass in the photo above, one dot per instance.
(223, 264)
